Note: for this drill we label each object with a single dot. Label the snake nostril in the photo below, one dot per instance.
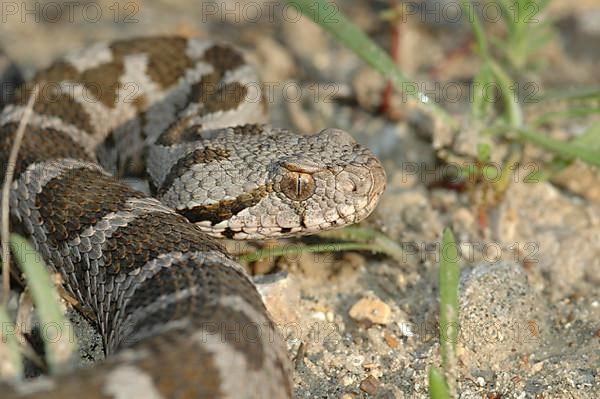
(345, 185)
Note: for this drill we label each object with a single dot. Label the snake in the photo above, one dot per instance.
(178, 316)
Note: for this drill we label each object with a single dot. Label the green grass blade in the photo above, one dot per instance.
(351, 233)
(506, 175)
(361, 239)
(300, 249)
(481, 104)
(56, 331)
(360, 234)
(561, 148)
(448, 275)
(507, 16)
(590, 138)
(437, 385)
(587, 94)
(483, 152)
(331, 19)
(511, 103)
(10, 353)
(478, 31)
(512, 108)
(564, 114)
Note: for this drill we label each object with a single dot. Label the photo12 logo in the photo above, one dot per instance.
(68, 11)
(452, 12)
(265, 11)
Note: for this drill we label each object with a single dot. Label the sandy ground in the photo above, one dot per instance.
(360, 325)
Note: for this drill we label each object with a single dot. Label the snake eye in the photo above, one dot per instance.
(297, 186)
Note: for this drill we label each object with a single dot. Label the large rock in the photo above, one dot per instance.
(500, 316)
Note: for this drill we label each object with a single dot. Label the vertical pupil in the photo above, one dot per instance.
(298, 185)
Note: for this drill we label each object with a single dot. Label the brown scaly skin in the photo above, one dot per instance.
(179, 318)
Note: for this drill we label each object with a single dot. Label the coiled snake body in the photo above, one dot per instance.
(178, 316)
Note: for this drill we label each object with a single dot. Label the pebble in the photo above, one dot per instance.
(347, 380)
(581, 179)
(369, 385)
(391, 340)
(281, 296)
(319, 316)
(370, 365)
(373, 310)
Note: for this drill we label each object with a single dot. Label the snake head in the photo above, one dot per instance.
(339, 189)
(258, 182)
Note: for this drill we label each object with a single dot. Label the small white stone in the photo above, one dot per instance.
(406, 329)
(347, 380)
(329, 316)
(319, 316)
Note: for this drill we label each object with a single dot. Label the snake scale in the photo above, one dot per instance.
(178, 316)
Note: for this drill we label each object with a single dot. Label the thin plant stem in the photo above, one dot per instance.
(286, 250)
(330, 18)
(8, 177)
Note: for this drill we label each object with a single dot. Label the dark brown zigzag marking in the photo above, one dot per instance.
(38, 145)
(179, 132)
(201, 377)
(216, 97)
(167, 62)
(200, 155)
(167, 59)
(223, 58)
(68, 205)
(204, 310)
(144, 239)
(230, 325)
(150, 235)
(249, 129)
(225, 209)
(226, 98)
(101, 83)
(52, 102)
(208, 90)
